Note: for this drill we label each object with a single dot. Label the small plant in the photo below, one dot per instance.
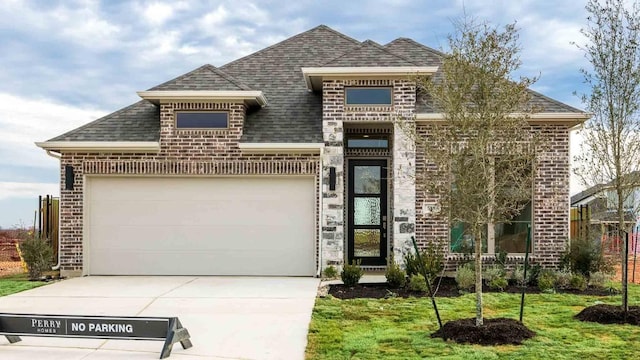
(518, 275)
(583, 255)
(492, 272)
(578, 282)
(432, 257)
(466, 277)
(351, 273)
(546, 281)
(599, 279)
(501, 258)
(498, 283)
(330, 272)
(563, 279)
(417, 283)
(37, 254)
(396, 277)
(411, 265)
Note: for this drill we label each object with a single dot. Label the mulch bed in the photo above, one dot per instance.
(499, 331)
(446, 288)
(609, 314)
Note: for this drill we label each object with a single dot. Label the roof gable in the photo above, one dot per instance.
(369, 53)
(206, 77)
(418, 53)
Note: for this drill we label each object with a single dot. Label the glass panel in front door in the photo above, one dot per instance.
(367, 214)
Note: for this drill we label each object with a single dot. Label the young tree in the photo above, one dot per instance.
(611, 138)
(480, 155)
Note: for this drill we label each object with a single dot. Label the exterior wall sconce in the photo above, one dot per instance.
(332, 178)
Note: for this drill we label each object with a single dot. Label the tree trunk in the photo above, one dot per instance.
(622, 232)
(478, 256)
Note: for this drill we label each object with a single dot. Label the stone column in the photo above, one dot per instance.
(404, 170)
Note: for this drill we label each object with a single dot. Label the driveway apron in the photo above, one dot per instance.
(227, 317)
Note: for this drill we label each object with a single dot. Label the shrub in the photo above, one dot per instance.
(599, 279)
(351, 274)
(499, 283)
(433, 259)
(578, 282)
(532, 274)
(330, 272)
(494, 277)
(546, 280)
(417, 283)
(466, 277)
(492, 272)
(584, 256)
(411, 265)
(563, 279)
(396, 277)
(37, 254)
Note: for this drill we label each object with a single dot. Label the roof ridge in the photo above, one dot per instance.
(102, 118)
(321, 26)
(430, 49)
(373, 44)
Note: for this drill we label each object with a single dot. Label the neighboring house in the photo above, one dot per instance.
(596, 208)
(279, 163)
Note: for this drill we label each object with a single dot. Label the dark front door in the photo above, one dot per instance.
(367, 218)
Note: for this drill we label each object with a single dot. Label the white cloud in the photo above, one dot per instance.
(27, 190)
(24, 121)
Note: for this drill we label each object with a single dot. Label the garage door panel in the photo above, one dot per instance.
(196, 226)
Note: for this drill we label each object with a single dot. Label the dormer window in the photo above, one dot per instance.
(369, 96)
(202, 120)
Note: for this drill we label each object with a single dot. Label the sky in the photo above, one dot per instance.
(66, 63)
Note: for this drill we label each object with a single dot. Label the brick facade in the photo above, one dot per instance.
(550, 228)
(401, 205)
(216, 152)
(182, 152)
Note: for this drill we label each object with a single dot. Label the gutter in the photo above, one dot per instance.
(57, 265)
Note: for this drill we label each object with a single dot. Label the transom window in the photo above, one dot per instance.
(368, 141)
(377, 96)
(202, 120)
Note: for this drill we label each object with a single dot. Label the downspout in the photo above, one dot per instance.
(57, 265)
(320, 212)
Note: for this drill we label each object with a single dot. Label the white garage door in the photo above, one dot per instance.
(200, 226)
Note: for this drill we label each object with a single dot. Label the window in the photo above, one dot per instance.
(510, 236)
(368, 96)
(202, 120)
(368, 142)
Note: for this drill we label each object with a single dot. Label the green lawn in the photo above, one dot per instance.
(15, 283)
(401, 328)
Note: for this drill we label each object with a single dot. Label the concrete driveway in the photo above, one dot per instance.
(227, 317)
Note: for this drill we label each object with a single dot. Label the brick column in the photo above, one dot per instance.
(332, 221)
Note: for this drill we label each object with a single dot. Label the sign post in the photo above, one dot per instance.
(169, 330)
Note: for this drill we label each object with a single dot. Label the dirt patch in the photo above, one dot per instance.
(609, 314)
(500, 331)
(631, 278)
(446, 287)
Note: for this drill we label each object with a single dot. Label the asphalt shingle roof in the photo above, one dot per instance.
(418, 53)
(206, 77)
(293, 113)
(368, 53)
(137, 122)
